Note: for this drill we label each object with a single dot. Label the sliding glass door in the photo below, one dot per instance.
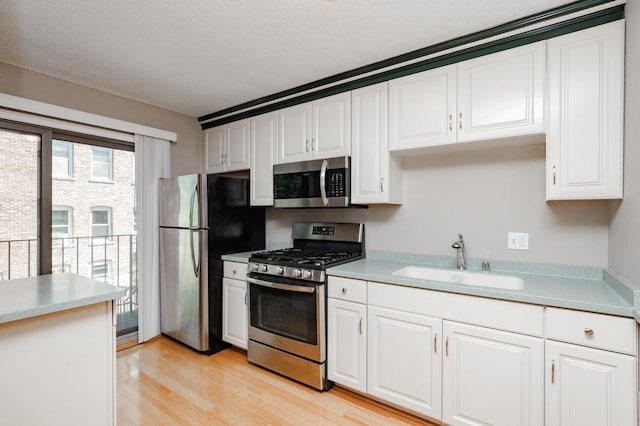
(69, 206)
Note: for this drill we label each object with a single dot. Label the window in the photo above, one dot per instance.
(62, 159)
(100, 272)
(101, 159)
(61, 222)
(101, 222)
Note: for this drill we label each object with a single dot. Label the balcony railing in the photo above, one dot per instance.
(111, 259)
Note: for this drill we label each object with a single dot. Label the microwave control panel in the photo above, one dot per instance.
(337, 183)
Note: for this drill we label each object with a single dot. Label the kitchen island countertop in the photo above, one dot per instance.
(29, 297)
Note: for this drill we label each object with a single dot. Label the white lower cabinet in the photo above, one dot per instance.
(404, 360)
(235, 310)
(347, 343)
(587, 386)
(491, 377)
(466, 360)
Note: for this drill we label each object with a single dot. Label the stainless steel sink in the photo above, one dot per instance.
(461, 277)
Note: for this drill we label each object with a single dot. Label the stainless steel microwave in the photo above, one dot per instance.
(313, 183)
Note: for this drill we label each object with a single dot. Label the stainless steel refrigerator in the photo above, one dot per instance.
(202, 217)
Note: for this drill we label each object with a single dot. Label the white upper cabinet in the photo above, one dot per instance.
(375, 176)
(315, 130)
(227, 147)
(422, 108)
(264, 141)
(494, 96)
(585, 135)
(501, 94)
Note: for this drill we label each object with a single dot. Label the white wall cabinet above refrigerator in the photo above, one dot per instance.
(586, 104)
(315, 130)
(227, 147)
(494, 96)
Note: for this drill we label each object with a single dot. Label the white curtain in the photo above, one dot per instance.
(152, 163)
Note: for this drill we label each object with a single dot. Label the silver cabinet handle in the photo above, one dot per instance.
(460, 121)
(381, 184)
(446, 347)
(588, 332)
(435, 343)
(306, 146)
(314, 145)
(553, 371)
(360, 326)
(554, 175)
(451, 122)
(344, 290)
(246, 298)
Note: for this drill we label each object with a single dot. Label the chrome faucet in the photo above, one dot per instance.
(459, 246)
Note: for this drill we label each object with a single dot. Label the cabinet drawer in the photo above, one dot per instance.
(590, 329)
(347, 289)
(235, 270)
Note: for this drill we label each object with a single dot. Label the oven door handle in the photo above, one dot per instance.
(277, 286)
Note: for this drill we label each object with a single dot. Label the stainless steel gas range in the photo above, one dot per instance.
(288, 299)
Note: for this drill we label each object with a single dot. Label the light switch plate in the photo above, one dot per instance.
(518, 241)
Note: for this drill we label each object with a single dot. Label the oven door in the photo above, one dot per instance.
(288, 315)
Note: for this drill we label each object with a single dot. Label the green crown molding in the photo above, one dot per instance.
(253, 108)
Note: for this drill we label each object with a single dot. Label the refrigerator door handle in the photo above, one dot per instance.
(194, 195)
(194, 259)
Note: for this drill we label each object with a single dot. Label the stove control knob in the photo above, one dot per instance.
(264, 268)
(306, 274)
(255, 267)
(296, 273)
(280, 270)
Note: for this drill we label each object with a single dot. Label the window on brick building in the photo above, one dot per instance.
(101, 163)
(100, 222)
(61, 222)
(61, 159)
(100, 271)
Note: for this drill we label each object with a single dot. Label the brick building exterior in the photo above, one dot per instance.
(93, 195)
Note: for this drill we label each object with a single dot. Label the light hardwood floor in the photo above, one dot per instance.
(164, 383)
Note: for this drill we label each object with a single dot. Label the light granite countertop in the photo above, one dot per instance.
(29, 297)
(583, 288)
(242, 257)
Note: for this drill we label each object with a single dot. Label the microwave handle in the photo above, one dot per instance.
(323, 187)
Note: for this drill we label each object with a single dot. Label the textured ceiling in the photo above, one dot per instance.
(199, 56)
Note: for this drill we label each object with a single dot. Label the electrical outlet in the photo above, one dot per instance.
(518, 241)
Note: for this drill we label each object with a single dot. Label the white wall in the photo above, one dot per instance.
(624, 235)
(482, 194)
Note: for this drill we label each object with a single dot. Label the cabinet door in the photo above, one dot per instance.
(589, 386)
(422, 109)
(264, 140)
(374, 175)
(237, 155)
(235, 327)
(501, 94)
(294, 133)
(404, 363)
(491, 377)
(584, 140)
(331, 126)
(215, 141)
(347, 344)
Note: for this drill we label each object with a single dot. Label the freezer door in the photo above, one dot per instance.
(183, 201)
(183, 286)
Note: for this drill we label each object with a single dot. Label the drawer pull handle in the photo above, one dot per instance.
(344, 290)
(435, 345)
(235, 271)
(553, 371)
(588, 332)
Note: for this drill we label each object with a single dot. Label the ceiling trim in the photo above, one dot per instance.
(530, 29)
